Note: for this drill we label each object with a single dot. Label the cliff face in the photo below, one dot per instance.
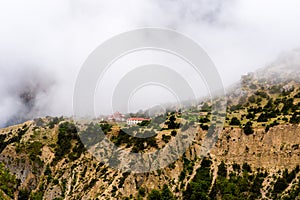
(276, 149)
(86, 178)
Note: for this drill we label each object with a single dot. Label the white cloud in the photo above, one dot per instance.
(55, 36)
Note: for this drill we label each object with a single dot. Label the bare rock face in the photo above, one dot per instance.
(276, 149)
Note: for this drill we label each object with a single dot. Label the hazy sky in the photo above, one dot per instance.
(44, 43)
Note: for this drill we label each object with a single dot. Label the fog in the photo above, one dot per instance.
(43, 44)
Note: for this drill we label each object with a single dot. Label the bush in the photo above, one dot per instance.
(295, 119)
(246, 167)
(267, 128)
(142, 191)
(23, 194)
(173, 133)
(36, 196)
(154, 195)
(250, 115)
(144, 123)
(8, 182)
(222, 170)
(164, 194)
(262, 94)
(66, 133)
(204, 120)
(199, 187)
(204, 127)
(34, 148)
(248, 128)
(262, 118)
(235, 121)
(166, 138)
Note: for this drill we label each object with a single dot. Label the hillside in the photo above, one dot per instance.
(257, 154)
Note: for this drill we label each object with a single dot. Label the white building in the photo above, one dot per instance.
(135, 121)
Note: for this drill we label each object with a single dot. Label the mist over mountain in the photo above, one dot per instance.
(26, 95)
(30, 92)
(287, 65)
(49, 41)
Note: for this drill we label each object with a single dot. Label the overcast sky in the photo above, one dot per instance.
(44, 43)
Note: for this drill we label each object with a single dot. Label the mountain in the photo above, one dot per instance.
(256, 156)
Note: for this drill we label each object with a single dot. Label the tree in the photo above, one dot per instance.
(23, 194)
(262, 118)
(222, 170)
(154, 195)
(8, 182)
(235, 121)
(248, 128)
(295, 119)
(166, 194)
(199, 187)
(173, 133)
(250, 115)
(142, 191)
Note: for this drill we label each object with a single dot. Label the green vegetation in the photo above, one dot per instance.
(15, 139)
(238, 184)
(295, 119)
(34, 151)
(23, 194)
(248, 128)
(67, 133)
(8, 182)
(264, 108)
(164, 194)
(235, 121)
(198, 188)
(171, 123)
(137, 143)
(94, 133)
(36, 196)
(54, 121)
(144, 123)
(283, 182)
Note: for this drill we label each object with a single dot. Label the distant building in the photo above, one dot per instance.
(135, 121)
(117, 117)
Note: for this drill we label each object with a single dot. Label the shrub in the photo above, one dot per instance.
(222, 170)
(246, 167)
(66, 133)
(199, 187)
(154, 195)
(248, 128)
(173, 133)
(204, 127)
(262, 118)
(295, 119)
(142, 191)
(8, 182)
(250, 115)
(235, 121)
(166, 138)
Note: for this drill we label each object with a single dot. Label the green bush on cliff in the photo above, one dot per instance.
(8, 182)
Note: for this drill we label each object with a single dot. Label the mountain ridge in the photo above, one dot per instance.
(258, 150)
